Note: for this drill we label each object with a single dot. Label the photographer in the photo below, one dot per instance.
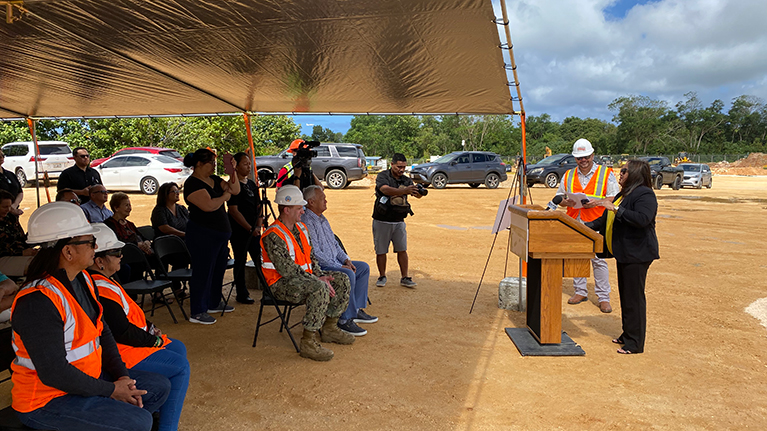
(303, 176)
(389, 212)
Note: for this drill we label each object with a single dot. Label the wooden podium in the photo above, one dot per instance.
(554, 245)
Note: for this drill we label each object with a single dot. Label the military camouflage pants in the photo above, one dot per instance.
(314, 293)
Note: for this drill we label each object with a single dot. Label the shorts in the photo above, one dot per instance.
(386, 232)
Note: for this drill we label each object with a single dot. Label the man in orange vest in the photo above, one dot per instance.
(293, 274)
(597, 182)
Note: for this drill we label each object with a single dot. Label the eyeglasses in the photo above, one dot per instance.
(114, 253)
(101, 191)
(92, 242)
(624, 170)
(75, 201)
(582, 158)
(83, 156)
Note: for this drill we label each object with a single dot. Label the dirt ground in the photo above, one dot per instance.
(430, 365)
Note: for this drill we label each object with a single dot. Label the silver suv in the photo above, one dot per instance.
(336, 164)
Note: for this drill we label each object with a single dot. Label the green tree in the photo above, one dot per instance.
(640, 122)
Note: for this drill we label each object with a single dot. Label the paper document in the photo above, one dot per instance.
(577, 197)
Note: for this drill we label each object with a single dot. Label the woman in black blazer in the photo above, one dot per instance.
(628, 226)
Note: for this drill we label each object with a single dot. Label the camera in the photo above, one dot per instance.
(265, 176)
(421, 190)
(303, 154)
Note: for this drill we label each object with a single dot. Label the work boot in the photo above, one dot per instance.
(331, 333)
(311, 349)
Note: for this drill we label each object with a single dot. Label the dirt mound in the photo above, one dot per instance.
(754, 160)
(754, 164)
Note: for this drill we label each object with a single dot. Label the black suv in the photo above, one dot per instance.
(549, 170)
(472, 167)
(336, 164)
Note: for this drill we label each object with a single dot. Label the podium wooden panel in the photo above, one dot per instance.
(554, 245)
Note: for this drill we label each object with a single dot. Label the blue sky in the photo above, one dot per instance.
(574, 57)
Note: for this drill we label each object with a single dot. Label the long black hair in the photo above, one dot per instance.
(203, 155)
(162, 193)
(638, 174)
(46, 261)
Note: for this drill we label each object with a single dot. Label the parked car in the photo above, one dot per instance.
(337, 164)
(696, 175)
(549, 170)
(664, 173)
(142, 172)
(461, 167)
(141, 150)
(55, 156)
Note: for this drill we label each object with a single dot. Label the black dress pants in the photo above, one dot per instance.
(239, 241)
(631, 284)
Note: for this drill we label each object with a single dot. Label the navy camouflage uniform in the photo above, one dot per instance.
(301, 287)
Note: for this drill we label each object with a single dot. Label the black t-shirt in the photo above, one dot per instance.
(217, 219)
(386, 178)
(247, 203)
(9, 182)
(76, 179)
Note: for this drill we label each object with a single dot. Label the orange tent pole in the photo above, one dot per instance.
(31, 124)
(250, 143)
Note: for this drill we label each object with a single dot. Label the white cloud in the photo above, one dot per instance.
(572, 59)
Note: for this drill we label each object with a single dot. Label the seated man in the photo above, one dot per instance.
(332, 257)
(95, 209)
(67, 195)
(292, 273)
(15, 255)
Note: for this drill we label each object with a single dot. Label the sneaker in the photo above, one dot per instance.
(381, 282)
(203, 318)
(408, 282)
(221, 307)
(363, 317)
(351, 328)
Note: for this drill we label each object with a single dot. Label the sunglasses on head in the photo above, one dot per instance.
(92, 242)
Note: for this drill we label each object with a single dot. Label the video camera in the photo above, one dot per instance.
(421, 190)
(302, 156)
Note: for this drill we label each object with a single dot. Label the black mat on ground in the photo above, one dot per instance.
(529, 346)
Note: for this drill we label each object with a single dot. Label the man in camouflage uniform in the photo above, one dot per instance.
(293, 274)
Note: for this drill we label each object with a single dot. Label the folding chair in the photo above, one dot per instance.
(146, 284)
(267, 298)
(172, 252)
(147, 232)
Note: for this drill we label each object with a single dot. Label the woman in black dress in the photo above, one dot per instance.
(207, 234)
(628, 226)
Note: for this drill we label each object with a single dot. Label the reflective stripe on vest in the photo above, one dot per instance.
(103, 283)
(291, 247)
(595, 189)
(300, 257)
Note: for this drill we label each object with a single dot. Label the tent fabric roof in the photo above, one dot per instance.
(81, 58)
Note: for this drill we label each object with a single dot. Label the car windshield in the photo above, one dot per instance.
(551, 160)
(690, 168)
(445, 159)
(49, 150)
(652, 162)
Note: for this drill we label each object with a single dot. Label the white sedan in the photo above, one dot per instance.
(139, 172)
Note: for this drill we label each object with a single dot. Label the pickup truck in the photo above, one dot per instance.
(664, 173)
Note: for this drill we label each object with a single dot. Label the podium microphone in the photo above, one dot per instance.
(554, 203)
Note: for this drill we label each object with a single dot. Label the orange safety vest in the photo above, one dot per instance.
(595, 189)
(301, 258)
(82, 342)
(111, 290)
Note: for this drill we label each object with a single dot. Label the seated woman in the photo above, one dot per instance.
(15, 255)
(168, 217)
(142, 345)
(125, 230)
(68, 374)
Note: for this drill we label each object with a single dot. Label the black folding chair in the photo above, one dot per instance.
(147, 232)
(172, 252)
(146, 284)
(267, 298)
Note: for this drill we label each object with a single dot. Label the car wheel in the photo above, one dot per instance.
(439, 181)
(710, 183)
(700, 185)
(336, 179)
(474, 185)
(658, 182)
(552, 180)
(492, 180)
(677, 182)
(22, 177)
(149, 185)
(265, 172)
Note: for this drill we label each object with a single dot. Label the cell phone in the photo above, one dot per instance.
(228, 168)
(584, 201)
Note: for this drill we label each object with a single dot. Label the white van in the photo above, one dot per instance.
(55, 156)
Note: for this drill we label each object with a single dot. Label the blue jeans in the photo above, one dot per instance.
(170, 362)
(78, 413)
(358, 296)
(209, 251)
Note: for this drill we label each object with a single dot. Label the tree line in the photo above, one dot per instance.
(640, 125)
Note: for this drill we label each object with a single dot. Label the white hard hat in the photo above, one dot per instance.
(582, 148)
(105, 238)
(289, 195)
(55, 221)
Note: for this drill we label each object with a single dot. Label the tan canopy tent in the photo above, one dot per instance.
(93, 58)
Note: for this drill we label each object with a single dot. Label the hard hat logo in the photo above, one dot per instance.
(582, 148)
(289, 195)
(287, 198)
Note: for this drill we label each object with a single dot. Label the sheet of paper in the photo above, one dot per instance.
(577, 197)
